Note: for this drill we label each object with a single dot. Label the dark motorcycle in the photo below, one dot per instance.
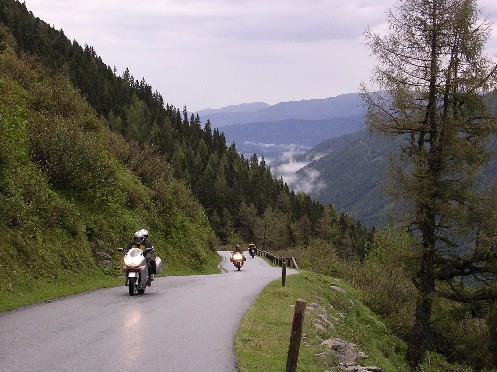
(252, 250)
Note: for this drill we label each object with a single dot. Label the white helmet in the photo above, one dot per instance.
(145, 233)
(138, 237)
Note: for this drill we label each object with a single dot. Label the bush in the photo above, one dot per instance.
(386, 280)
(73, 161)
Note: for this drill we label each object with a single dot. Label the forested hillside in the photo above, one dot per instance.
(88, 157)
(72, 191)
(359, 161)
(352, 170)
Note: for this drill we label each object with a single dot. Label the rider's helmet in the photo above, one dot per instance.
(138, 237)
(145, 233)
(237, 247)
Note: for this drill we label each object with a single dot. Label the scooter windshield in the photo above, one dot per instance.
(133, 252)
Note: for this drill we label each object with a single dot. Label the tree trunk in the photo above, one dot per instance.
(421, 330)
(426, 288)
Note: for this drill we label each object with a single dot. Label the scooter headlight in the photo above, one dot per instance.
(237, 256)
(133, 261)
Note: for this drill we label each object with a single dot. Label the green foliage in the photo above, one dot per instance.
(71, 192)
(430, 74)
(218, 176)
(436, 362)
(460, 332)
(73, 161)
(262, 341)
(3, 44)
(234, 238)
(461, 336)
(319, 256)
(385, 278)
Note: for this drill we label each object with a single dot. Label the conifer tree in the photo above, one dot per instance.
(432, 74)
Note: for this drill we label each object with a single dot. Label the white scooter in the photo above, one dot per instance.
(136, 269)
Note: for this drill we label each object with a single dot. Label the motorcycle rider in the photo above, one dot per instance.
(139, 241)
(148, 244)
(145, 237)
(239, 250)
(252, 248)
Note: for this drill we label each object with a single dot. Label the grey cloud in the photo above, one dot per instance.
(219, 52)
(295, 21)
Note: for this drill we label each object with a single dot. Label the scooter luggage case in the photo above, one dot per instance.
(158, 265)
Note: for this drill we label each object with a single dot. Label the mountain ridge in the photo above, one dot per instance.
(300, 131)
(242, 107)
(342, 105)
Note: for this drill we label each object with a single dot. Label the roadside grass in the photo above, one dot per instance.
(29, 291)
(47, 289)
(209, 266)
(262, 341)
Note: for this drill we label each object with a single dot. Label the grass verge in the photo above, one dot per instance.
(45, 290)
(334, 310)
(33, 291)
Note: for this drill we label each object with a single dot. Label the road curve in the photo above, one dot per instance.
(181, 324)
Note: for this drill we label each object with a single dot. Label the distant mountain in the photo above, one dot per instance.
(320, 147)
(314, 109)
(349, 172)
(287, 127)
(299, 132)
(244, 107)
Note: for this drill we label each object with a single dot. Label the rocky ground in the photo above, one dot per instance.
(337, 353)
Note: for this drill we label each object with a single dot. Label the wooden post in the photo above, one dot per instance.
(283, 274)
(295, 336)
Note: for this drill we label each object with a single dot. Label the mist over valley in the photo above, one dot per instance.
(322, 148)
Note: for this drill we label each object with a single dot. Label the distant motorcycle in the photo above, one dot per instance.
(252, 250)
(136, 269)
(238, 258)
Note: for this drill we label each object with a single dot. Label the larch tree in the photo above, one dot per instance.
(430, 82)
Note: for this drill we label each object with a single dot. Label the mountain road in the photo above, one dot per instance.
(181, 324)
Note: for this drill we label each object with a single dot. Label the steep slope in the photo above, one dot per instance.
(146, 135)
(353, 175)
(71, 192)
(352, 169)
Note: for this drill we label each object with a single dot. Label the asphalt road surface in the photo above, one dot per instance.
(181, 324)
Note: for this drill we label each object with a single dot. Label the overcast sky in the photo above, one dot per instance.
(215, 53)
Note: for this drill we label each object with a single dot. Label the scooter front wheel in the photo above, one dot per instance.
(132, 286)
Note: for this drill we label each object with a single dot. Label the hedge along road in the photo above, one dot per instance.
(180, 324)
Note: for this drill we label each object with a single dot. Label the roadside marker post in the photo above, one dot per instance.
(295, 336)
(283, 273)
